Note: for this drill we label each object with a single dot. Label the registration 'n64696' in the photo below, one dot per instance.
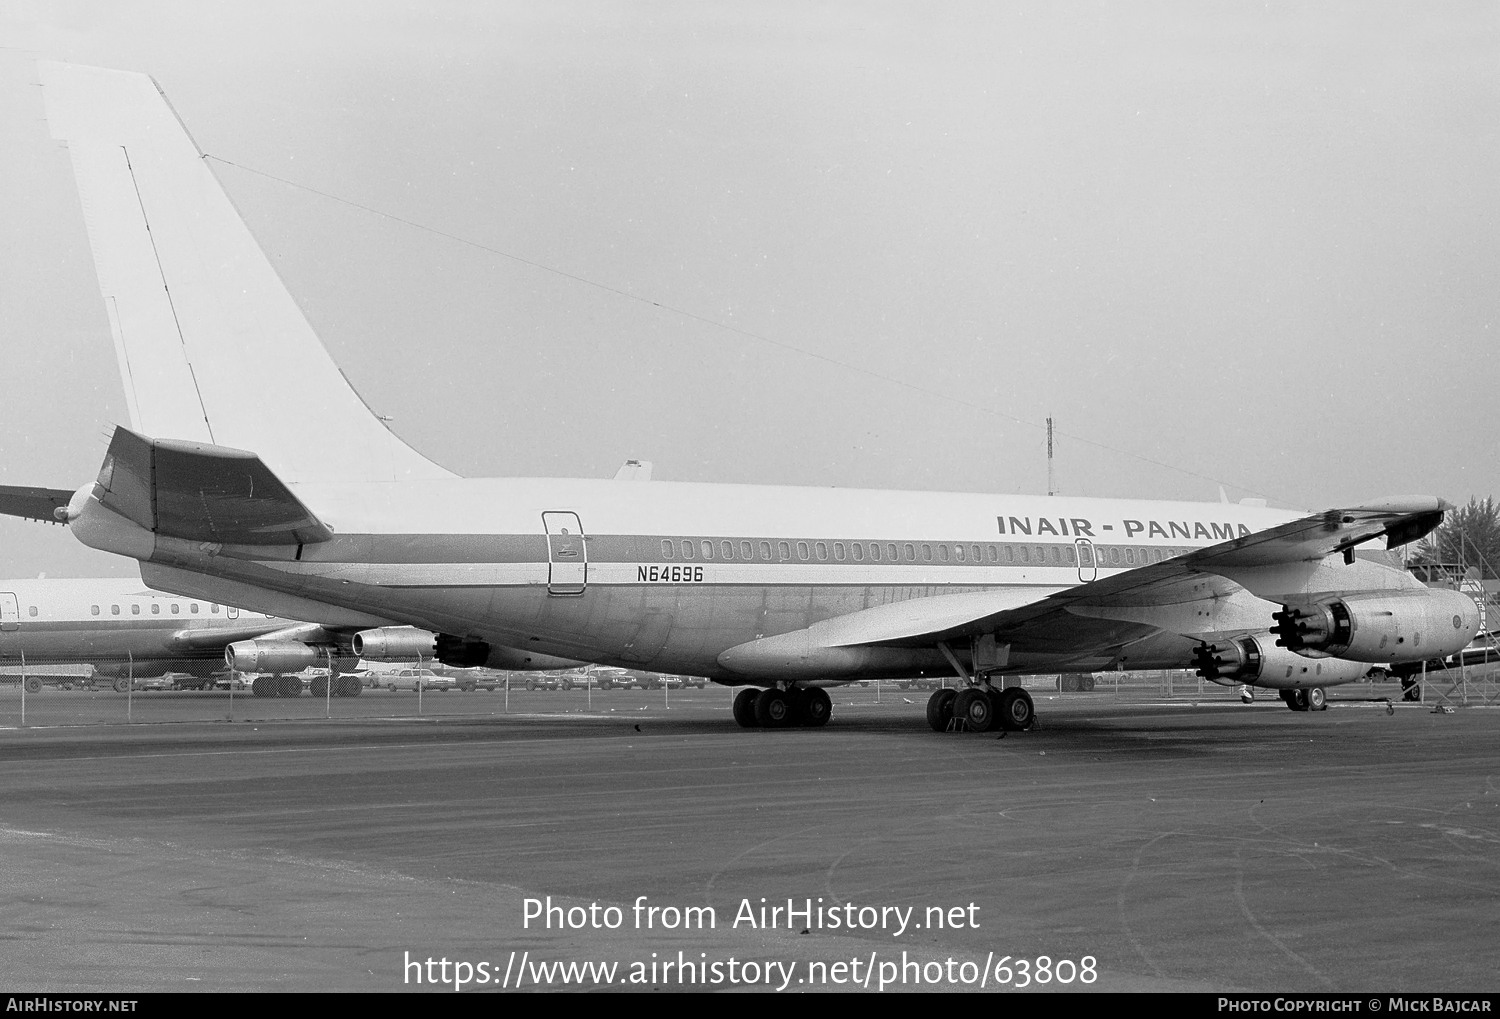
(670, 574)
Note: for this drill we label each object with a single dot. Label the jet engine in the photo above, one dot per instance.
(395, 643)
(1380, 626)
(1255, 661)
(404, 643)
(269, 656)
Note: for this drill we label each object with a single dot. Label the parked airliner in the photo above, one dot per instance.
(250, 473)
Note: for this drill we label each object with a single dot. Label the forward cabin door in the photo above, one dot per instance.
(10, 612)
(567, 558)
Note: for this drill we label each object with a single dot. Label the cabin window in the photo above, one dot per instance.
(1025, 554)
(193, 607)
(1010, 554)
(114, 610)
(178, 611)
(838, 551)
(1114, 556)
(974, 553)
(667, 551)
(875, 552)
(943, 553)
(33, 610)
(821, 548)
(726, 549)
(927, 553)
(994, 553)
(746, 550)
(94, 610)
(708, 550)
(765, 550)
(687, 550)
(907, 550)
(213, 608)
(802, 550)
(1130, 556)
(1068, 554)
(858, 549)
(784, 549)
(958, 553)
(135, 610)
(155, 609)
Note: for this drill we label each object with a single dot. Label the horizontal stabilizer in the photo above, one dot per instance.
(33, 503)
(199, 492)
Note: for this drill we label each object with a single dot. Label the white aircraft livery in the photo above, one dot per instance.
(252, 474)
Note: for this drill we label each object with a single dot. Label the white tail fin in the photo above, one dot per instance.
(211, 346)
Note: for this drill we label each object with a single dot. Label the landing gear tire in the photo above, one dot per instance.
(1411, 689)
(289, 686)
(1017, 712)
(975, 709)
(263, 686)
(1295, 699)
(773, 709)
(940, 709)
(348, 686)
(744, 707)
(319, 686)
(1317, 700)
(814, 709)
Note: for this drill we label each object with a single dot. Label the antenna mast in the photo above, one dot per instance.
(1051, 476)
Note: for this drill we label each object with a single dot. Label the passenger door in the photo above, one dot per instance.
(10, 612)
(567, 557)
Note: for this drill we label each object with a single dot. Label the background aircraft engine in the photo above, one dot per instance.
(1257, 662)
(1381, 626)
(395, 644)
(269, 656)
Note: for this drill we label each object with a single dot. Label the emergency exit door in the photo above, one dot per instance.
(567, 558)
(1088, 562)
(10, 612)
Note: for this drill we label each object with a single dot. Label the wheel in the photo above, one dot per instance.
(744, 707)
(290, 686)
(121, 685)
(1298, 700)
(263, 686)
(32, 684)
(467, 688)
(1317, 700)
(940, 709)
(815, 709)
(319, 686)
(1017, 712)
(348, 686)
(773, 709)
(975, 708)
(530, 684)
(391, 687)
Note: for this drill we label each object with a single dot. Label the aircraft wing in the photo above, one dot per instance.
(33, 503)
(203, 637)
(1267, 563)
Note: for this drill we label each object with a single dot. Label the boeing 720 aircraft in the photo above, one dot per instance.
(251, 474)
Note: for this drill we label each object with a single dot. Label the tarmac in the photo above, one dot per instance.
(1151, 844)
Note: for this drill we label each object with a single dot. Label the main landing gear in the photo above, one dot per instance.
(291, 686)
(980, 708)
(1310, 699)
(774, 708)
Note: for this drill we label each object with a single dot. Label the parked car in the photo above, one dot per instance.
(413, 679)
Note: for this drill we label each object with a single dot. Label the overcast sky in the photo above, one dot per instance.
(1248, 244)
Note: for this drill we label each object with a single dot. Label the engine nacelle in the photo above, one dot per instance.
(395, 644)
(1255, 661)
(1381, 626)
(269, 656)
